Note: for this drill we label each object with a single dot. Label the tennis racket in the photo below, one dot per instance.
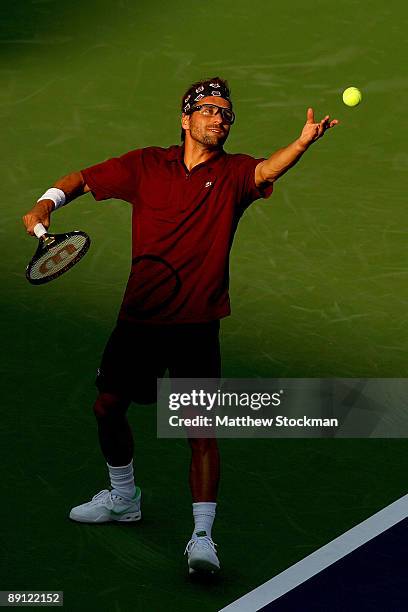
(55, 254)
(153, 285)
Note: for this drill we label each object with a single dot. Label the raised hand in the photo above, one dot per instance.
(312, 131)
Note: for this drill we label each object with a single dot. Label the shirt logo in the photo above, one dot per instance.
(208, 184)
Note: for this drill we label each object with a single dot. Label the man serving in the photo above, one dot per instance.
(186, 204)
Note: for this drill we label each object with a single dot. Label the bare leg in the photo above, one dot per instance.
(115, 435)
(204, 469)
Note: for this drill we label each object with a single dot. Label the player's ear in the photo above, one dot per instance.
(185, 121)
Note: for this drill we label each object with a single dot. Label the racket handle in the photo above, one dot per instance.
(39, 230)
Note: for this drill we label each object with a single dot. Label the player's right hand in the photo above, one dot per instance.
(40, 213)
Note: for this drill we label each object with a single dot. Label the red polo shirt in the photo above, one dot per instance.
(183, 224)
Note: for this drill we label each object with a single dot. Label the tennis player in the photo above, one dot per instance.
(186, 201)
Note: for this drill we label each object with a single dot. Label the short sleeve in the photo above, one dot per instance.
(117, 177)
(248, 192)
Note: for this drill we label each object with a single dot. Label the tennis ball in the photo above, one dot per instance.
(352, 96)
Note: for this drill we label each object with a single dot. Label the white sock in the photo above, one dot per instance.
(204, 515)
(122, 480)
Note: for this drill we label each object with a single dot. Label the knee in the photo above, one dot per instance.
(108, 406)
(203, 445)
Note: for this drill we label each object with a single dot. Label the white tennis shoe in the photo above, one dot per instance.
(201, 554)
(105, 507)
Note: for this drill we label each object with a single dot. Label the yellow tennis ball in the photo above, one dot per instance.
(352, 96)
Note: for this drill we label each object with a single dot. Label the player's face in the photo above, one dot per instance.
(208, 130)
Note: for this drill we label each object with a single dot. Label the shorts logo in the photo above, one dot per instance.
(208, 184)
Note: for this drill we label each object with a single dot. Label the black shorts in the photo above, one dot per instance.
(136, 355)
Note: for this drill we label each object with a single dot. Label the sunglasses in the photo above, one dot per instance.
(211, 110)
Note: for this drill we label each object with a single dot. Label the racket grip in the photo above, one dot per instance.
(39, 230)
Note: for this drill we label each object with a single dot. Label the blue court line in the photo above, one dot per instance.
(321, 558)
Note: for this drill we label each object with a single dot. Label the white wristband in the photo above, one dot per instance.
(56, 195)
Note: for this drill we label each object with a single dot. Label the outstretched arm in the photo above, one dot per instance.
(73, 185)
(269, 170)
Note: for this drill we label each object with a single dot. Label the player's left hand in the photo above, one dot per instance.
(312, 131)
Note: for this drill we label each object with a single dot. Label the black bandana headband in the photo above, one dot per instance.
(209, 89)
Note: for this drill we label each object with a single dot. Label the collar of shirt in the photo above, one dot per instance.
(176, 154)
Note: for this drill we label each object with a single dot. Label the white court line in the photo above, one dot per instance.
(321, 558)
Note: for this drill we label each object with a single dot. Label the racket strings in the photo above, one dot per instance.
(58, 257)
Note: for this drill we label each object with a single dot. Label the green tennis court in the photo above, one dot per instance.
(318, 282)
